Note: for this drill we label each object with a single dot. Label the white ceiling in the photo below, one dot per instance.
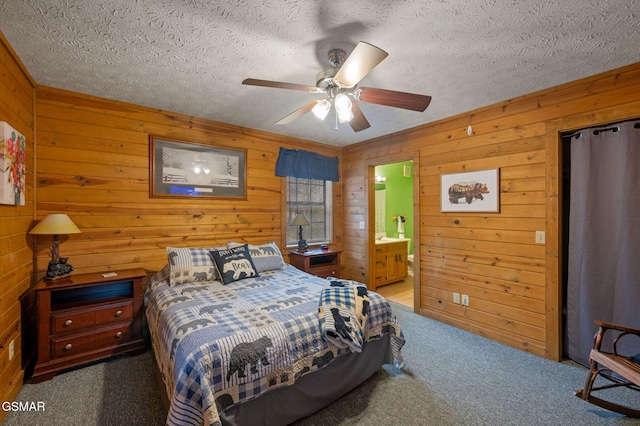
(190, 56)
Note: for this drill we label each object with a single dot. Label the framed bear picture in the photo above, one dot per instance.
(477, 191)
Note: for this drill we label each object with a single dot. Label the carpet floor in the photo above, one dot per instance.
(451, 377)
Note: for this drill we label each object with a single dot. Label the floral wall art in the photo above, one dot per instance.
(12, 165)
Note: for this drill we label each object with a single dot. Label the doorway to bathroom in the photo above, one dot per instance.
(393, 228)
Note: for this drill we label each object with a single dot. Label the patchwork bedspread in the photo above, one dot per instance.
(220, 345)
(343, 310)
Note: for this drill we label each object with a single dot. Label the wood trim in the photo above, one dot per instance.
(553, 247)
(369, 191)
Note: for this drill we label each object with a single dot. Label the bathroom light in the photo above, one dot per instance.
(321, 109)
(381, 178)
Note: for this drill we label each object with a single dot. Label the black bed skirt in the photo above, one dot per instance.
(311, 392)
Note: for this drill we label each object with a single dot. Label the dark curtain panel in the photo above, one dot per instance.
(307, 165)
(604, 236)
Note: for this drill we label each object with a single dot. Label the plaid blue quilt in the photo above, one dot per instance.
(219, 345)
(343, 310)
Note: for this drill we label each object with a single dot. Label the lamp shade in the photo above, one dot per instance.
(321, 109)
(300, 220)
(55, 224)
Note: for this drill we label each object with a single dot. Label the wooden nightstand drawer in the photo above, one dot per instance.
(87, 317)
(72, 320)
(324, 271)
(322, 263)
(114, 313)
(113, 336)
(72, 345)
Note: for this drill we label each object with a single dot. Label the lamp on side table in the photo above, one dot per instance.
(56, 225)
(301, 220)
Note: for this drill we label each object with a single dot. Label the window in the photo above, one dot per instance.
(313, 198)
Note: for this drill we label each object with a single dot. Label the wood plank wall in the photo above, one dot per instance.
(93, 164)
(513, 283)
(17, 94)
(92, 159)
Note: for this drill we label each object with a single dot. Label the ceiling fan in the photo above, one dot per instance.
(340, 84)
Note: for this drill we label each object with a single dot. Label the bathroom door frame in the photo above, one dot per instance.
(370, 244)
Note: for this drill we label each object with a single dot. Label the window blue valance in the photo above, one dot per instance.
(307, 165)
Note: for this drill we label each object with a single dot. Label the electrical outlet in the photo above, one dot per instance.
(465, 300)
(540, 237)
(11, 350)
(361, 225)
(456, 298)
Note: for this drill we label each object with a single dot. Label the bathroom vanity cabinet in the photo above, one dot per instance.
(391, 262)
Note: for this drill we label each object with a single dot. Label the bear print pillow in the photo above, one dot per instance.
(234, 264)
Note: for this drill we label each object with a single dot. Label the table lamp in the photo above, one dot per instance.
(301, 220)
(56, 224)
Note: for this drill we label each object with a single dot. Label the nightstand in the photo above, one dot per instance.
(87, 317)
(322, 263)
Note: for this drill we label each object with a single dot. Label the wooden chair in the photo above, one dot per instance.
(627, 372)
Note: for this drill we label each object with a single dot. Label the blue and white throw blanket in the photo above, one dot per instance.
(220, 345)
(343, 310)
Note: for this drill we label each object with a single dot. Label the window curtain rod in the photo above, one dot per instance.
(608, 128)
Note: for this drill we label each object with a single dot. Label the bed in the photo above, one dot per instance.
(261, 342)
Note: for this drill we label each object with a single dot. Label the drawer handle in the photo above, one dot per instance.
(118, 334)
(68, 346)
(118, 313)
(68, 323)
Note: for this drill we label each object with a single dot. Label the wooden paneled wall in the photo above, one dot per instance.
(91, 158)
(93, 164)
(16, 252)
(513, 283)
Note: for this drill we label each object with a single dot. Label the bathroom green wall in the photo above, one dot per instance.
(399, 197)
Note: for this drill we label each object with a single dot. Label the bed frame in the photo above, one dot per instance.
(310, 393)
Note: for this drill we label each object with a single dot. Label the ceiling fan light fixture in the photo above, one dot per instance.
(321, 109)
(343, 108)
(345, 116)
(342, 79)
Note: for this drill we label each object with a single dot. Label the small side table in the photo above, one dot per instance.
(87, 317)
(322, 263)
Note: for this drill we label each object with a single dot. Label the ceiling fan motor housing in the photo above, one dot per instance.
(324, 79)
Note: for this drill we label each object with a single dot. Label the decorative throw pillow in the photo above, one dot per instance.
(190, 264)
(234, 264)
(266, 257)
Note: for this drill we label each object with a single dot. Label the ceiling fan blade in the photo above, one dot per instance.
(392, 98)
(299, 112)
(360, 62)
(280, 85)
(358, 122)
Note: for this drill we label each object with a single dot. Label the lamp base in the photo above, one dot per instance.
(302, 246)
(58, 269)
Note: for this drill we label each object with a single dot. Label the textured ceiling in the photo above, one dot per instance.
(190, 56)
